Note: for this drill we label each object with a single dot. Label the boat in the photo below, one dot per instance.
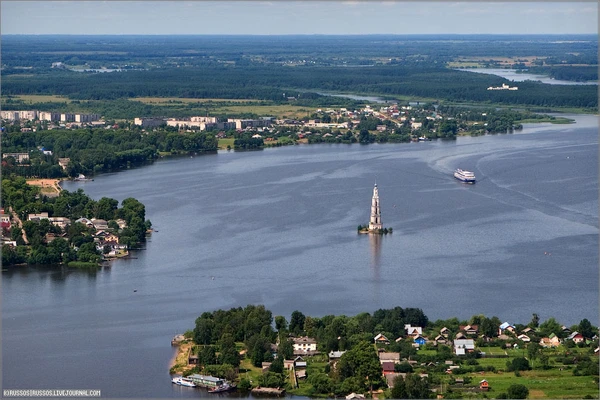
(82, 178)
(464, 176)
(225, 387)
(181, 381)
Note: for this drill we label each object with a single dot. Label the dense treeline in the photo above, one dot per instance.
(276, 83)
(97, 150)
(75, 242)
(567, 73)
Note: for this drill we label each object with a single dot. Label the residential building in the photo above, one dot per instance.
(304, 345)
(381, 339)
(463, 346)
(389, 357)
(19, 157)
(67, 117)
(49, 116)
(145, 122)
(63, 162)
(86, 117)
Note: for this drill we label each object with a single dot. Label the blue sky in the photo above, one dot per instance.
(296, 17)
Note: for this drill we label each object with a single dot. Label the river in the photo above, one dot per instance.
(513, 75)
(278, 227)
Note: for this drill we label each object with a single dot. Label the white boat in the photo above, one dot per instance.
(464, 176)
(181, 381)
(82, 178)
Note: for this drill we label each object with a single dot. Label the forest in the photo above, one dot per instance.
(96, 150)
(277, 83)
(286, 69)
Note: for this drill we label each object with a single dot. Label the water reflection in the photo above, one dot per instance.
(56, 273)
(375, 245)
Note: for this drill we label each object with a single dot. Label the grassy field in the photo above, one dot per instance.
(41, 98)
(223, 143)
(553, 384)
(185, 100)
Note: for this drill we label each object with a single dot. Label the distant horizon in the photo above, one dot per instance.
(302, 34)
(284, 17)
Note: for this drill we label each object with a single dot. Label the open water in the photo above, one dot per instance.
(278, 227)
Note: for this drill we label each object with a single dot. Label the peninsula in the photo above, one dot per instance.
(392, 353)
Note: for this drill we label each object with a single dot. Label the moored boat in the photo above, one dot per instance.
(181, 381)
(225, 387)
(464, 176)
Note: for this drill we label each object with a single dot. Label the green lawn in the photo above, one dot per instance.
(223, 143)
(552, 384)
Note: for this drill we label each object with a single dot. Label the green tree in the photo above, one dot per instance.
(411, 387)
(518, 364)
(533, 350)
(549, 327)
(586, 328)
(280, 323)
(207, 355)
(285, 349)
(297, 322)
(361, 362)
(535, 321)
(517, 391)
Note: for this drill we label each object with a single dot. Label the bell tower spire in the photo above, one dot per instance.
(375, 222)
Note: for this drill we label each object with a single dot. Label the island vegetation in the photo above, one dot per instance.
(393, 353)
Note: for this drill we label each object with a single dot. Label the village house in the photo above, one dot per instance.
(419, 341)
(445, 331)
(61, 222)
(470, 330)
(551, 341)
(37, 217)
(439, 339)
(413, 330)
(389, 357)
(523, 337)
(381, 339)
(506, 329)
(576, 337)
(4, 219)
(388, 367)
(527, 330)
(304, 345)
(85, 222)
(335, 355)
(463, 346)
(99, 224)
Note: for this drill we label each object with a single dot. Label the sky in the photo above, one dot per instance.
(297, 17)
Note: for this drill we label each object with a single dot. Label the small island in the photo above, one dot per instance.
(375, 225)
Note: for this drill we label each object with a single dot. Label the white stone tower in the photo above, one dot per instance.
(375, 222)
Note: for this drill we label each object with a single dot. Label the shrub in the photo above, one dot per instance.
(517, 391)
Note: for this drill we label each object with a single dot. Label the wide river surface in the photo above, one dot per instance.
(278, 227)
(513, 75)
